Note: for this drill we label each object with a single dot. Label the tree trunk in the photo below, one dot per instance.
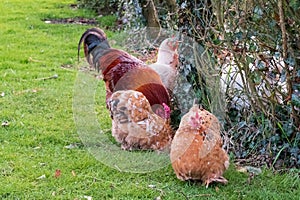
(150, 13)
(171, 5)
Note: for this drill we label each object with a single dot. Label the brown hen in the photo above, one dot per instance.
(135, 125)
(196, 150)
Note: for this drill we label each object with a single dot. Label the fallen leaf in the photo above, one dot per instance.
(41, 177)
(5, 123)
(71, 146)
(217, 189)
(151, 186)
(249, 169)
(254, 170)
(242, 169)
(73, 173)
(57, 173)
(87, 197)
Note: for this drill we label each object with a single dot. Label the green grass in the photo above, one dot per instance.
(41, 123)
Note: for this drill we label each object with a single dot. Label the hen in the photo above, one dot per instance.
(167, 60)
(127, 77)
(135, 125)
(196, 150)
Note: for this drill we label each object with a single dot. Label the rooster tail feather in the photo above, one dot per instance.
(91, 38)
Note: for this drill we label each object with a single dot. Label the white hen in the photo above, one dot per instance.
(167, 60)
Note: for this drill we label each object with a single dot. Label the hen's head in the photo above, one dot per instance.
(163, 110)
(196, 121)
(167, 51)
(167, 111)
(170, 44)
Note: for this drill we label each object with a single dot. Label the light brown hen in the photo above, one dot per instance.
(196, 150)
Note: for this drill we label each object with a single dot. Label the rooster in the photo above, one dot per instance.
(126, 77)
(167, 60)
(196, 150)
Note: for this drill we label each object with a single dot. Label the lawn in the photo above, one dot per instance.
(43, 134)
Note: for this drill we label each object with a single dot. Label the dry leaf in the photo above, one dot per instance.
(249, 169)
(5, 123)
(73, 173)
(41, 177)
(151, 186)
(242, 169)
(254, 170)
(71, 146)
(87, 197)
(57, 173)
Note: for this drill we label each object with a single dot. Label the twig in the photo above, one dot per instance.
(201, 195)
(285, 54)
(183, 194)
(55, 76)
(30, 59)
(284, 45)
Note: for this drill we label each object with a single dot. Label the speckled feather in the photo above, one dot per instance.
(135, 125)
(196, 150)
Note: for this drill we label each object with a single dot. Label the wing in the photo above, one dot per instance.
(211, 133)
(211, 139)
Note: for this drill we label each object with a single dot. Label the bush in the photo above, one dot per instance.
(255, 46)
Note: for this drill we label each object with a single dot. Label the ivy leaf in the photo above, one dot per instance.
(296, 100)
